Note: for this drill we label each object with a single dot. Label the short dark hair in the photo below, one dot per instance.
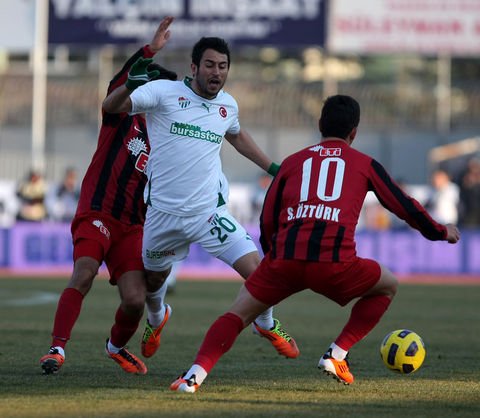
(217, 44)
(340, 115)
(164, 73)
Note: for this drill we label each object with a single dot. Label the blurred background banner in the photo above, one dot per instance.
(424, 26)
(46, 248)
(252, 22)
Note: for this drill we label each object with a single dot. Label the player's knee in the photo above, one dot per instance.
(133, 305)
(83, 274)
(389, 283)
(392, 287)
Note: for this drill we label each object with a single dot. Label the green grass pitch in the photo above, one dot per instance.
(251, 380)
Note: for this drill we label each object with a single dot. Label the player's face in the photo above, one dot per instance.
(210, 76)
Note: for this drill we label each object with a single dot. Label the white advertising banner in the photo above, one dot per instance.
(17, 25)
(390, 26)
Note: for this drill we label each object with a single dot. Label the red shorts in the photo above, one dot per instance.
(276, 279)
(103, 238)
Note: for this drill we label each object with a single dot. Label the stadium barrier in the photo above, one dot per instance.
(45, 249)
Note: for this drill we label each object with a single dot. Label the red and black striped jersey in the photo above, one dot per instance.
(115, 179)
(312, 207)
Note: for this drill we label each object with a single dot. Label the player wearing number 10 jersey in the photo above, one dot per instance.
(308, 225)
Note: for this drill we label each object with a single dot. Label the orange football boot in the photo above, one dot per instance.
(52, 362)
(283, 343)
(185, 385)
(151, 336)
(338, 369)
(127, 361)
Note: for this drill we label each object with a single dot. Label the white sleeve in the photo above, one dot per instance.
(235, 125)
(146, 98)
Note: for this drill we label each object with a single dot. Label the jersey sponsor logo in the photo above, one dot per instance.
(141, 163)
(138, 147)
(156, 254)
(326, 152)
(192, 131)
(313, 211)
(103, 229)
(206, 107)
(183, 102)
(223, 112)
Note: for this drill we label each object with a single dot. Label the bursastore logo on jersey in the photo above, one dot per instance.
(138, 148)
(103, 229)
(183, 102)
(192, 131)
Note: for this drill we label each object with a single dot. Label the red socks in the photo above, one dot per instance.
(219, 339)
(68, 309)
(366, 313)
(123, 328)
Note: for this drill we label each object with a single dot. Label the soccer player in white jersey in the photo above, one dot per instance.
(186, 122)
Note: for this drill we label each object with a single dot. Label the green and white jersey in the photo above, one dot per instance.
(185, 133)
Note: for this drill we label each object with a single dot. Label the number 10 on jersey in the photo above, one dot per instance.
(330, 179)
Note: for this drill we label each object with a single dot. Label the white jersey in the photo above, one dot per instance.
(185, 132)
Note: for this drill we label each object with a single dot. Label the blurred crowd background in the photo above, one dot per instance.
(414, 67)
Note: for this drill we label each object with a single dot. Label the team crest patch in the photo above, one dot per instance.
(136, 146)
(223, 112)
(183, 102)
(102, 227)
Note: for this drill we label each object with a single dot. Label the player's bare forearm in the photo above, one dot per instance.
(118, 101)
(246, 146)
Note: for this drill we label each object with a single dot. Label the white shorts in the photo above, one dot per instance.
(167, 238)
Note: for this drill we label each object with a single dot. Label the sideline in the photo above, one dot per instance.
(31, 299)
(191, 275)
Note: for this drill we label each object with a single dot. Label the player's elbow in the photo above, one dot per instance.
(108, 106)
(113, 105)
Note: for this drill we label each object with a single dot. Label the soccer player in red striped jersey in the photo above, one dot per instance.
(307, 234)
(108, 226)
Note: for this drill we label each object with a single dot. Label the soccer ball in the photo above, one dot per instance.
(402, 351)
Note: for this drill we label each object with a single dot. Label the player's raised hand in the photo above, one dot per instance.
(139, 73)
(453, 234)
(161, 35)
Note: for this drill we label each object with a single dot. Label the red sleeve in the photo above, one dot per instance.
(392, 197)
(121, 77)
(270, 216)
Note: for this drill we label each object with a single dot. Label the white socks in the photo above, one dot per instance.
(337, 352)
(198, 371)
(156, 306)
(111, 348)
(60, 350)
(265, 319)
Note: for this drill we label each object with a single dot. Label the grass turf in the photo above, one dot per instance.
(251, 380)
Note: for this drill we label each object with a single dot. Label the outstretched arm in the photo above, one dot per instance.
(246, 146)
